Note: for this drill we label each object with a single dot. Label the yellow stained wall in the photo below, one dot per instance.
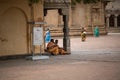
(14, 29)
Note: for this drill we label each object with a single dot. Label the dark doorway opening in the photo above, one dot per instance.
(118, 21)
(111, 21)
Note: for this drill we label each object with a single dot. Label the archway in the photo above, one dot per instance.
(13, 30)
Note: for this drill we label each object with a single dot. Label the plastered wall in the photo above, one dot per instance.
(14, 28)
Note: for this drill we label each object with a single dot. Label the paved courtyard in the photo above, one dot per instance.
(105, 43)
(95, 59)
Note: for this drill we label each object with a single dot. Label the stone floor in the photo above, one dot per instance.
(95, 59)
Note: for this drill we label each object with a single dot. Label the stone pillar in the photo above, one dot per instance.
(115, 20)
(107, 21)
(66, 39)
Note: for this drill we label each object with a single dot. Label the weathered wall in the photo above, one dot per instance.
(81, 15)
(52, 18)
(78, 16)
(84, 15)
(14, 30)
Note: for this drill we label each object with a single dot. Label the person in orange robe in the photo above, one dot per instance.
(52, 47)
(61, 50)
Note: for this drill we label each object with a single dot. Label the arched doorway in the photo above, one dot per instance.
(111, 21)
(13, 32)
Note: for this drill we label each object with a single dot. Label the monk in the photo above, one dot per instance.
(52, 48)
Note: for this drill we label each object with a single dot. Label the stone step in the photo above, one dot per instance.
(75, 31)
(114, 30)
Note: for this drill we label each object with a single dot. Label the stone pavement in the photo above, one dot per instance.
(95, 59)
(108, 42)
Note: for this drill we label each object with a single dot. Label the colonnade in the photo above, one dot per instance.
(115, 20)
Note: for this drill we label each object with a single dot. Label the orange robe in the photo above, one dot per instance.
(52, 48)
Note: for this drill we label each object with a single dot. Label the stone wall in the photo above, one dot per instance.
(80, 15)
(14, 28)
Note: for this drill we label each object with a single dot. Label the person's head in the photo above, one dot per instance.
(52, 40)
(47, 29)
(56, 41)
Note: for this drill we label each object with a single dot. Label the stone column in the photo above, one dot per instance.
(66, 39)
(107, 21)
(115, 20)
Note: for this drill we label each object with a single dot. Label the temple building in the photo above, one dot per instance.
(19, 17)
(80, 15)
(112, 16)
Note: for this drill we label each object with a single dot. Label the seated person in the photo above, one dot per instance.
(61, 50)
(52, 48)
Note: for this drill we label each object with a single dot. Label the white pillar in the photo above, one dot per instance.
(115, 20)
(107, 21)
